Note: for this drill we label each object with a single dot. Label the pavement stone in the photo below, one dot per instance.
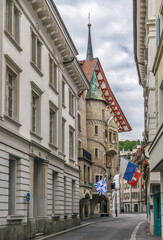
(143, 233)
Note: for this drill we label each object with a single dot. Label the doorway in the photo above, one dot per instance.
(39, 191)
(157, 214)
(136, 208)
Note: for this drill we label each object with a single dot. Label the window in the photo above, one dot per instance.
(63, 93)
(65, 189)
(71, 103)
(88, 174)
(79, 122)
(54, 190)
(84, 174)
(73, 195)
(96, 178)
(135, 195)
(63, 135)
(157, 31)
(12, 87)
(110, 137)
(96, 152)
(53, 73)
(35, 108)
(12, 186)
(53, 126)
(36, 51)
(35, 112)
(11, 98)
(71, 144)
(114, 138)
(103, 114)
(96, 130)
(13, 20)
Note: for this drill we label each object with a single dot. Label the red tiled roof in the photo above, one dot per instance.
(88, 67)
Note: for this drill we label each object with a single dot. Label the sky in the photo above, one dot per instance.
(112, 40)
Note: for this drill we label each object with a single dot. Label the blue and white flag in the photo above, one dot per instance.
(127, 169)
(101, 186)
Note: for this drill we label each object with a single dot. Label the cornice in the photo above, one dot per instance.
(96, 121)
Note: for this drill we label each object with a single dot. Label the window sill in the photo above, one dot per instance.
(36, 135)
(55, 217)
(74, 215)
(11, 120)
(10, 37)
(71, 115)
(53, 88)
(53, 146)
(72, 160)
(36, 69)
(11, 218)
(61, 154)
(63, 105)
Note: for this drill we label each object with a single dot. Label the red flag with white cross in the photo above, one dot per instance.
(134, 179)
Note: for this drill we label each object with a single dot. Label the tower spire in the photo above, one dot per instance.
(89, 46)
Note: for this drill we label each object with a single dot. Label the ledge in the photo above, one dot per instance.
(10, 37)
(55, 217)
(36, 135)
(62, 154)
(74, 215)
(63, 105)
(16, 123)
(72, 115)
(53, 88)
(53, 146)
(37, 69)
(72, 160)
(11, 218)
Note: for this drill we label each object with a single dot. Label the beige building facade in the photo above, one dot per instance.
(39, 84)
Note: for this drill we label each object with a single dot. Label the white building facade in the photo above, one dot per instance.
(39, 83)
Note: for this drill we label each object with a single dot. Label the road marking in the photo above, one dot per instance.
(133, 236)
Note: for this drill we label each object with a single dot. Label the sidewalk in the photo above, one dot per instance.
(143, 234)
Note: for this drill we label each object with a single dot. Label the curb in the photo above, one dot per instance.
(74, 228)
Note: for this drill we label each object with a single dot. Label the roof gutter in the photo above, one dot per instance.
(135, 39)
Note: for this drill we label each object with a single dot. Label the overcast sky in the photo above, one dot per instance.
(112, 39)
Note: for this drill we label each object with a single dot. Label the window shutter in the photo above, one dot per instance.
(157, 31)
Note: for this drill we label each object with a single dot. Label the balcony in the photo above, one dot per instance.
(111, 147)
(82, 153)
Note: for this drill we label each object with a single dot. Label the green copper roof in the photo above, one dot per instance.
(93, 91)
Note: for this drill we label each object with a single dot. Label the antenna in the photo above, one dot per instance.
(89, 18)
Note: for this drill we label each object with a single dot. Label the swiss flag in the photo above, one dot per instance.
(134, 179)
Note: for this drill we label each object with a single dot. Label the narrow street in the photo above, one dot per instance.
(124, 227)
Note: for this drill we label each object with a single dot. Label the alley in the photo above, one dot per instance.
(123, 227)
